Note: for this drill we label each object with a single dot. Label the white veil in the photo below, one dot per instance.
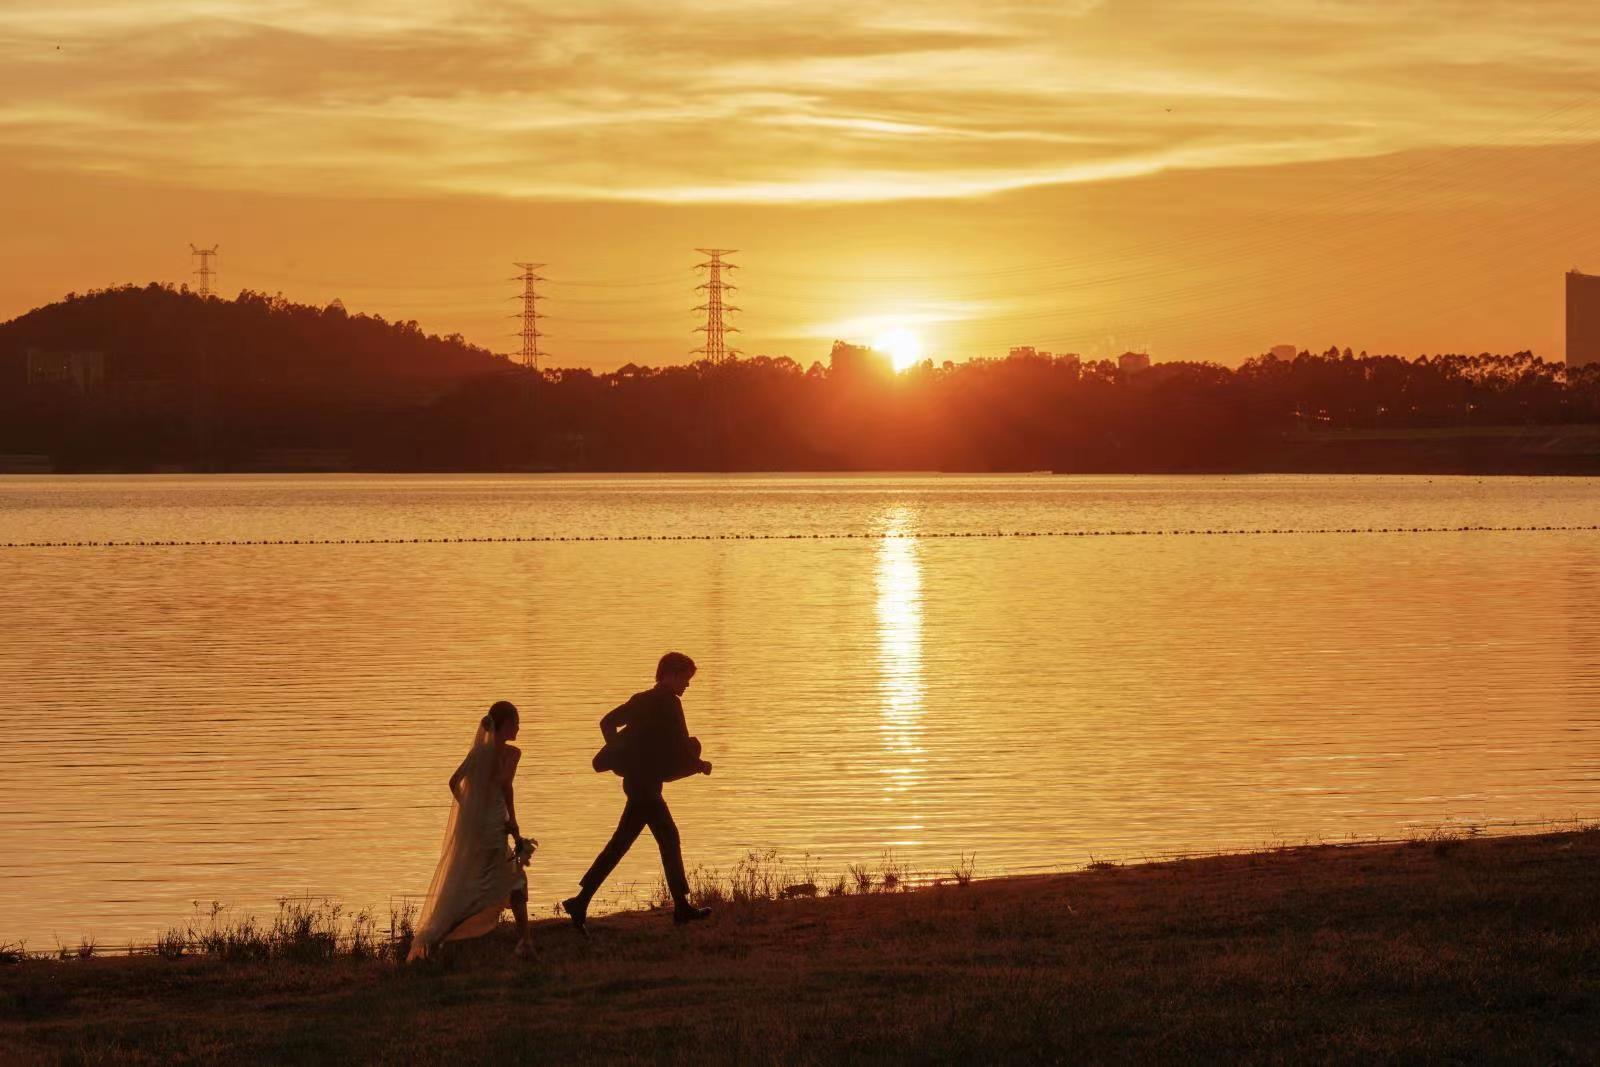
(476, 813)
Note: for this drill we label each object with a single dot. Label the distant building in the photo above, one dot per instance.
(84, 371)
(1031, 352)
(858, 361)
(1133, 362)
(1284, 352)
(1583, 319)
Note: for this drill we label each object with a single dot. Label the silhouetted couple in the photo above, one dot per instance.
(480, 870)
(648, 744)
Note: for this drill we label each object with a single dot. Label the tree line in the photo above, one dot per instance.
(218, 384)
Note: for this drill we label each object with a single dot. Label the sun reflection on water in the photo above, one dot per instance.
(900, 679)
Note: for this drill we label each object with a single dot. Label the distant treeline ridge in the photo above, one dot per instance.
(152, 377)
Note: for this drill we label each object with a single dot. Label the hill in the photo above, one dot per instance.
(133, 377)
(157, 333)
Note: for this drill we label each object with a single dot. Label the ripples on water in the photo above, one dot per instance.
(240, 723)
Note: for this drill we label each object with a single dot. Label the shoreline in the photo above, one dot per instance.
(1587, 467)
(764, 875)
(1453, 946)
(1490, 450)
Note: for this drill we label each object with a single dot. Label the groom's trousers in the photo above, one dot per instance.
(646, 807)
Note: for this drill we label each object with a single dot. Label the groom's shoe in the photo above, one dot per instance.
(688, 913)
(577, 910)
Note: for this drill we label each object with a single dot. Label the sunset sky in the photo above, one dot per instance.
(1203, 179)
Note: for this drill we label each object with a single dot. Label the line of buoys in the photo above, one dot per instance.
(838, 536)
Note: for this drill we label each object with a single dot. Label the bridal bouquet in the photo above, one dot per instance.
(524, 848)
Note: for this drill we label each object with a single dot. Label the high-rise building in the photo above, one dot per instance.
(1133, 362)
(1284, 352)
(1583, 319)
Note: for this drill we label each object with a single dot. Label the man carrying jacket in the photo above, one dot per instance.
(648, 743)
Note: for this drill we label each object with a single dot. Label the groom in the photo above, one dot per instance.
(648, 743)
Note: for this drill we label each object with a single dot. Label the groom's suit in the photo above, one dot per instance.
(653, 747)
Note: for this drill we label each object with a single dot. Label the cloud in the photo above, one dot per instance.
(764, 101)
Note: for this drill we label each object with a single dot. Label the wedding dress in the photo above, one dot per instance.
(477, 871)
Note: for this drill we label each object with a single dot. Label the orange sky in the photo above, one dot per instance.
(1204, 178)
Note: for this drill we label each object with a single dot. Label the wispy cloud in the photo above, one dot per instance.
(732, 100)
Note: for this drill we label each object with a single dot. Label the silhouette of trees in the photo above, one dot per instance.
(218, 384)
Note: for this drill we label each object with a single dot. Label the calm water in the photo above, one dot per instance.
(236, 724)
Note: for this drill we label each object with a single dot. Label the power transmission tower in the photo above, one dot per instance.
(205, 270)
(716, 348)
(530, 313)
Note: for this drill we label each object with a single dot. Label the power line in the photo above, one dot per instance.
(205, 270)
(716, 349)
(1148, 284)
(530, 313)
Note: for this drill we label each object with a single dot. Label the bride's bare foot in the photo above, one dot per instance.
(524, 950)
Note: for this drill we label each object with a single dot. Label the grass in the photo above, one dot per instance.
(305, 929)
(1453, 947)
(763, 876)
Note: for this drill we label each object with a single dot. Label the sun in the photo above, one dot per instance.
(902, 347)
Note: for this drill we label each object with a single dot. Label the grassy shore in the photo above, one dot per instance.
(1481, 949)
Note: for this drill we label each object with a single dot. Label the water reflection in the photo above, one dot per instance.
(900, 681)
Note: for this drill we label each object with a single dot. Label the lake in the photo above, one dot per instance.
(239, 723)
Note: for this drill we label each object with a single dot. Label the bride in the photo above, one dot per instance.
(479, 874)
